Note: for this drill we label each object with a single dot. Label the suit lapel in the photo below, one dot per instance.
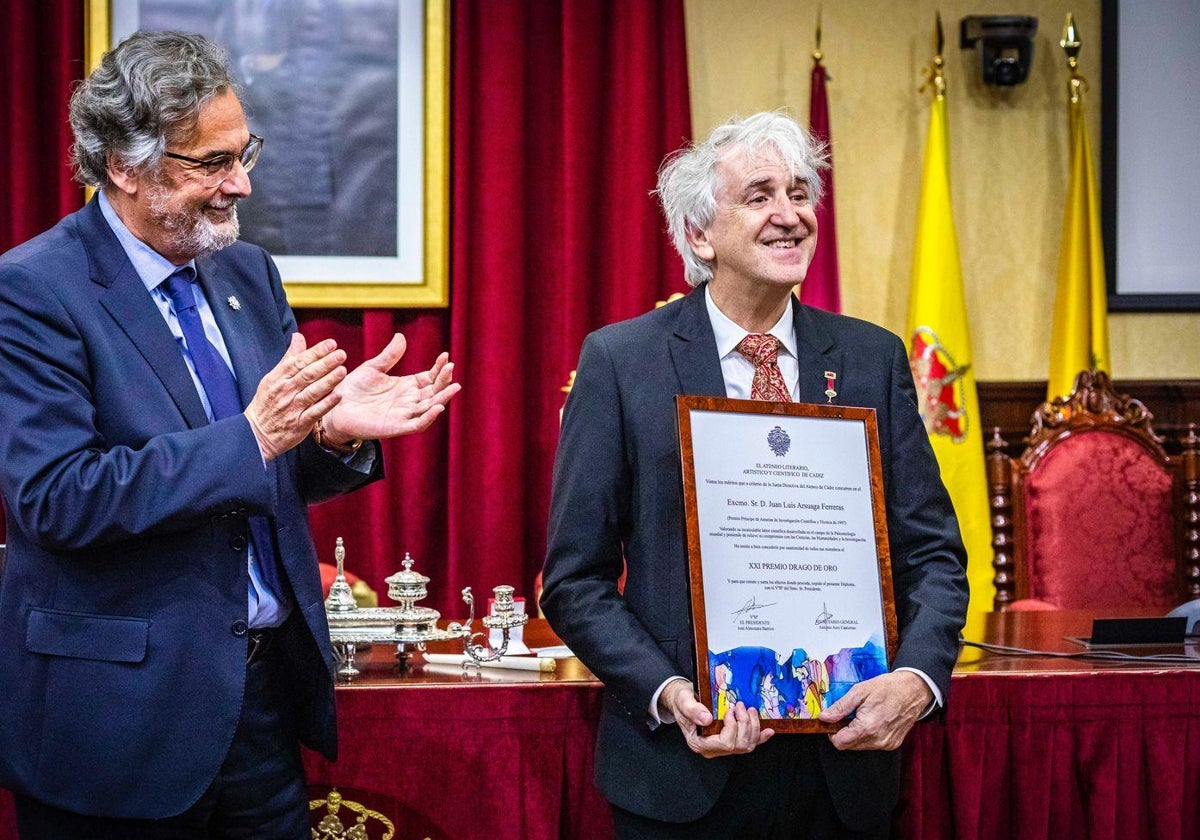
(125, 298)
(240, 338)
(694, 352)
(240, 341)
(694, 349)
(816, 354)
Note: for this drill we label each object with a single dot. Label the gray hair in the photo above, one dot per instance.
(688, 179)
(148, 90)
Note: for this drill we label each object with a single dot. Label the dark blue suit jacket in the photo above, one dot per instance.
(123, 604)
(618, 494)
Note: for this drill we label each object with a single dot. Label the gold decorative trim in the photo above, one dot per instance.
(332, 828)
(97, 28)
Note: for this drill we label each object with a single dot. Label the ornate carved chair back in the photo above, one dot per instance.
(1093, 513)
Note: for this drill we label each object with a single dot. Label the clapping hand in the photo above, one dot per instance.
(295, 394)
(374, 404)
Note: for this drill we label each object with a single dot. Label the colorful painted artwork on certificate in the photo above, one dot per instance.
(789, 686)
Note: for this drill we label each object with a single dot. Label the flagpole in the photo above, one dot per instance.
(821, 287)
(935, 75)
(1079, 337)
(1071, 45)
(816, 55)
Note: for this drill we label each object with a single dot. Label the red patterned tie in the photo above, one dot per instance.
(763, 352)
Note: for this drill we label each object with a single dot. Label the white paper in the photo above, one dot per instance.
(790, 563)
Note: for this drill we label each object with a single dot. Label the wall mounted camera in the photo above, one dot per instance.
(1005, 46)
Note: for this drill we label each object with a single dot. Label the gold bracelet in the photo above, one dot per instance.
(340, 449)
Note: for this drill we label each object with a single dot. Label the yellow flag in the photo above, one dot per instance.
(1080, 337)
(940, 357)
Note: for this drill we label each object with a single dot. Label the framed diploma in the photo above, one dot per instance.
(787, 541)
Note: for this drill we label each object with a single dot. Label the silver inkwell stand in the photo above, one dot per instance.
(409, 626)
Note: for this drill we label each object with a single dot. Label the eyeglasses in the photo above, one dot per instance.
(216, 169)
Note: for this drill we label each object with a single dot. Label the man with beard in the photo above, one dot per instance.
(162, 427)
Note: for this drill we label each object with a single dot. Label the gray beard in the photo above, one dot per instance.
(192, 233)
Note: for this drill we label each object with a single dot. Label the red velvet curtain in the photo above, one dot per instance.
(407, 510)
(41, 55)
(562, 110)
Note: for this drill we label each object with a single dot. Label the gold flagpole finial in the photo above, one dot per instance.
(934, 75)
(816, 54)
(1071, 45)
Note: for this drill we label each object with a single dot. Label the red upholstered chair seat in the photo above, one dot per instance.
(1032, 605)
(1099, 526)
(1094, 514)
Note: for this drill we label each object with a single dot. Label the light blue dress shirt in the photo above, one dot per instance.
(267, 608)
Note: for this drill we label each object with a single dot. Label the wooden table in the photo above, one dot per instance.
(1053, 630)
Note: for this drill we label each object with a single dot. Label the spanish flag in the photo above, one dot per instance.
(940, 357)
(1080, 337)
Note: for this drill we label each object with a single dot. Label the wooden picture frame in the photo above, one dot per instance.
(784, 506)
(417, 273)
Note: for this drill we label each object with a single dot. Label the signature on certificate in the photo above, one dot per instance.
(751, 606)
(824, 617)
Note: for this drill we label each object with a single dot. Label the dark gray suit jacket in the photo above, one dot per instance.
(618, 495)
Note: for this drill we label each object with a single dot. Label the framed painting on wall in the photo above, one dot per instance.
(351, 193)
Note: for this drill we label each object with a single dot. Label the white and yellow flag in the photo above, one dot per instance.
(940, 357)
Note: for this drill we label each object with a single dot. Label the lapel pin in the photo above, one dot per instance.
(830, 379)
(234, 303)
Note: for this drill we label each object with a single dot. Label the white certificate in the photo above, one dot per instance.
(787, 538)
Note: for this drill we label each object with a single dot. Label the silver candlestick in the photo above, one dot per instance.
(408, 625)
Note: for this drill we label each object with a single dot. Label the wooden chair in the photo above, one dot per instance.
(1094, 513)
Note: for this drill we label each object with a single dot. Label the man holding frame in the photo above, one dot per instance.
(739, 208)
